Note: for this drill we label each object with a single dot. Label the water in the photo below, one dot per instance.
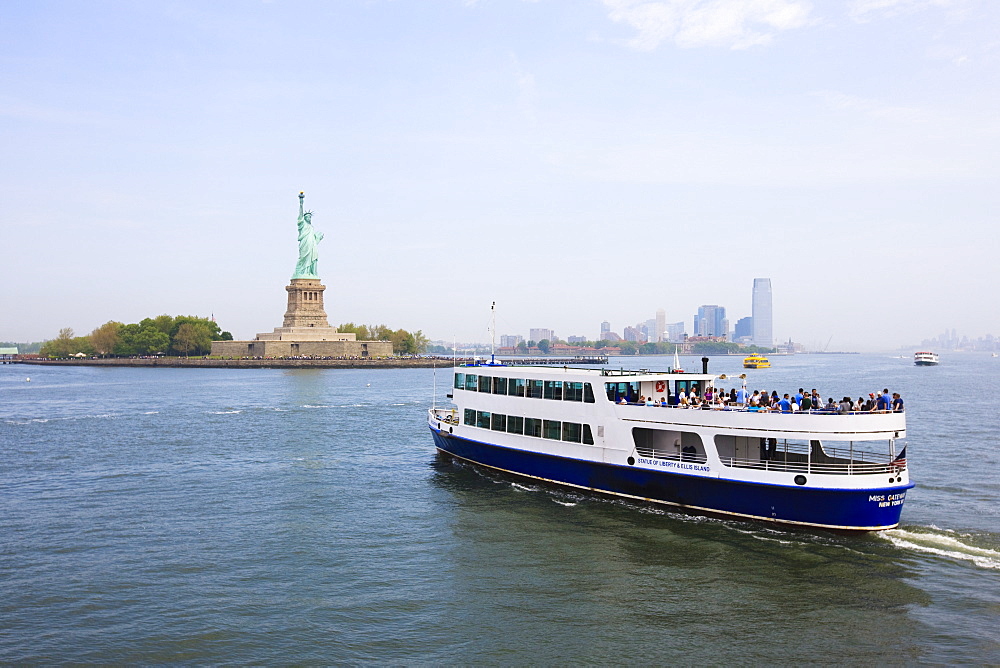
(302, 516)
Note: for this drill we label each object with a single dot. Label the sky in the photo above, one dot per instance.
(572, 161)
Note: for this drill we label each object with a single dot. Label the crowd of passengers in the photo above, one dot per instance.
(760, 400)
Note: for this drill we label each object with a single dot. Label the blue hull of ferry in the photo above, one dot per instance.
(849, 509)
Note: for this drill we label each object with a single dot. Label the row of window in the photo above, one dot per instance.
(520, 387)
(514, 424)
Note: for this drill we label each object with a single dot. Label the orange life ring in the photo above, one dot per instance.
(661, 386)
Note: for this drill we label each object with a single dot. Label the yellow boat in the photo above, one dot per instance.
(756, 362)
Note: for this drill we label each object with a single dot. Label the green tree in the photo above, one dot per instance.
(544, 345)
(211, 327)
(192, 337)
(522, 347)
(105, 338)
(628, 347)
(151, 341)
(61, 346)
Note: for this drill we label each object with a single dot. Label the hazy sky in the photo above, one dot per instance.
(573, 161)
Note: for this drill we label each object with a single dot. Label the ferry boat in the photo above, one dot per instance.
(925, 359)
(595, 429)
(756, 362)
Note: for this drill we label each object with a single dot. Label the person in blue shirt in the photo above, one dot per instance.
(784, 405)
(897, 403)
(798, 398)
(883, 401)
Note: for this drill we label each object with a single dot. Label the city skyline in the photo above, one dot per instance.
(661, 154)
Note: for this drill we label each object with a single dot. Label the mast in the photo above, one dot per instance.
(493, 332)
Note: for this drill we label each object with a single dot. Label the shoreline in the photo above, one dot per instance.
(275, 363)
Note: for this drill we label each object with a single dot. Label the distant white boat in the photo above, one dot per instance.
(925, 359)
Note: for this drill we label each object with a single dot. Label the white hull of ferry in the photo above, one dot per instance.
(925, 359)
(805, 469)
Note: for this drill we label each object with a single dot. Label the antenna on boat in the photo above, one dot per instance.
(493, 333)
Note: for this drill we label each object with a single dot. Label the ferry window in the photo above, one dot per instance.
(499, 386)
(483, 419)
(612, 389)
(535, 389)
(459, 381)
(552, 429)
(588, 437)
(532, 427)
(515, 424)
(470, 381)
(573, 391)
(515, 387)
(470, 416)
(571, 432)
(588, 393)
(499, 422)
(628, 390)
(485, 384)
(553, 389)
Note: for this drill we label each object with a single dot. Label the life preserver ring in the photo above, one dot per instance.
(661, 386)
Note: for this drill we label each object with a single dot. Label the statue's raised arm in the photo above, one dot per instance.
(308, 242)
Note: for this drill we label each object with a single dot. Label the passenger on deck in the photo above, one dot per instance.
(755, 399)
(831, 405)
(741, 397)
(772, 448)
(784, 404)
(688, 453)
(623, 400)
(682, 399)
(663, 401)
(845, 405)
(649, 401)
(799, 396)
(883, 402)
(897, 403)
(807, 402)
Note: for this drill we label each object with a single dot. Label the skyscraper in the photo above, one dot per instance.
(762, 316)
(539, 333)
(605, 329)
(711, 321)
(661, 325)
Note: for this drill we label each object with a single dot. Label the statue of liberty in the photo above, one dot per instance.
(308, 241)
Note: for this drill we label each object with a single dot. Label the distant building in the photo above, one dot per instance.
(743, 332)
(763, 334)
(538, 334)
(661, 326)
(576, 339)
(605, 328)
(633, 334)
(711, 321)
(675, 332)
(510, 340)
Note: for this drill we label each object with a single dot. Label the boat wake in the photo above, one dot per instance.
(943, 543)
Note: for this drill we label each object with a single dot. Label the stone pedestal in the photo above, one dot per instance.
(305, 304)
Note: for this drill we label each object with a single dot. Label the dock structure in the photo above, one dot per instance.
(8, 355)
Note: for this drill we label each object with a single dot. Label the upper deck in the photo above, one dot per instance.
(621, 395)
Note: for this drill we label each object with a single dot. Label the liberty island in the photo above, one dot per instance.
(305, 331)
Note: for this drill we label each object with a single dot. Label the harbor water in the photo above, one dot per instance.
(215, 516)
